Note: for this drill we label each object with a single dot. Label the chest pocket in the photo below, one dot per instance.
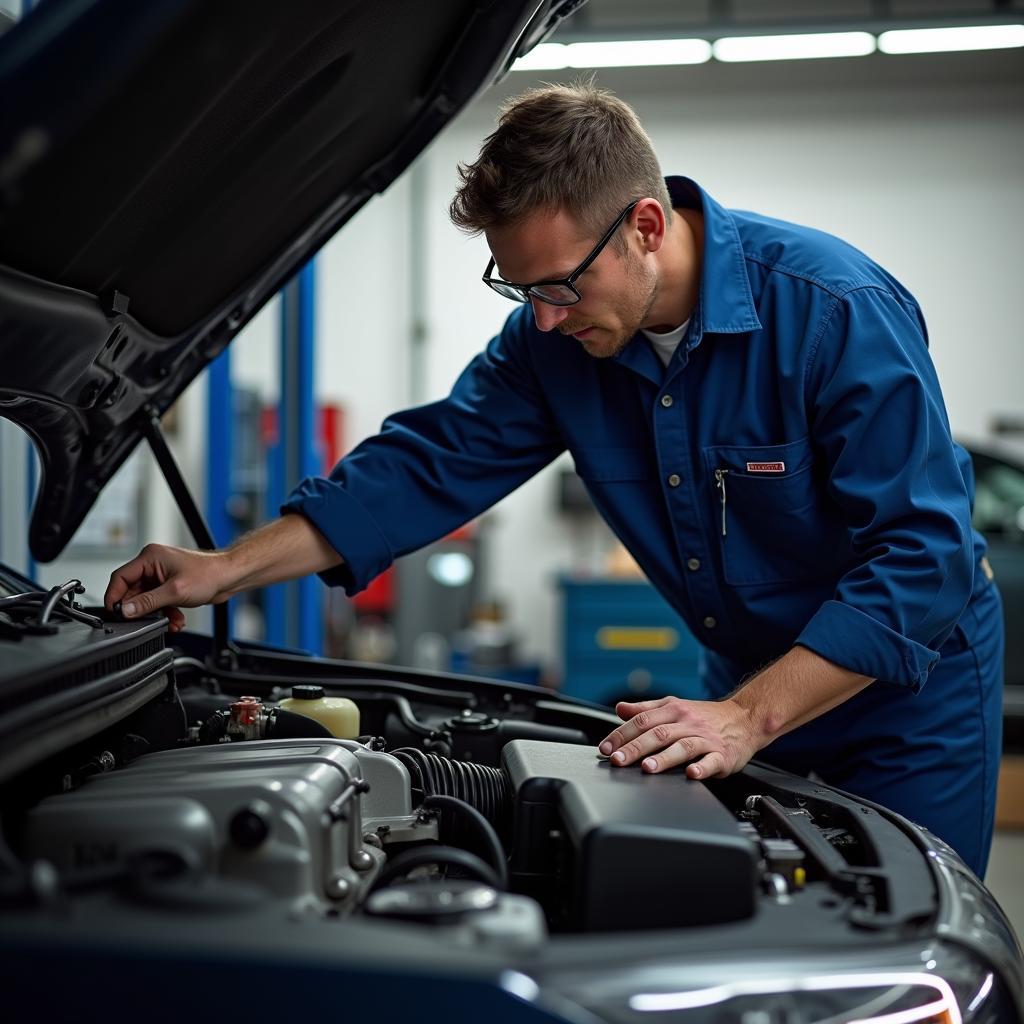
(773, 522)
(606, 465)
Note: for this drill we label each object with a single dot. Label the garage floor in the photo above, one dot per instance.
(1005, 876)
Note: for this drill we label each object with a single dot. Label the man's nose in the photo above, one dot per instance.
(548, 317)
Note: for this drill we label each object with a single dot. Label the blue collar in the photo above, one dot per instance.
(726, 305)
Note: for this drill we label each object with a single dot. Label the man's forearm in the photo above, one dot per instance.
(797, 688)
(284, 549)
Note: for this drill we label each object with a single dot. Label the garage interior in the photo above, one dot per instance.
(915, 157)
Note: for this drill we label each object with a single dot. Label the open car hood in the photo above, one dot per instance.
(165, 167)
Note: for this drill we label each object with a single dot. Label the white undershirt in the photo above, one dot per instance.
(666, 344)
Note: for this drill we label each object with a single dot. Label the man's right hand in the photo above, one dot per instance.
(169, 578)
(173, 578)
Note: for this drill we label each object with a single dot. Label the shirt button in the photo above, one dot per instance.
(710, 623)
(666, 400)
(693, 564)
(674, 480)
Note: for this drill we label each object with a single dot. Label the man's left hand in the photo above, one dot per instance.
(719, 737)
(716, 737)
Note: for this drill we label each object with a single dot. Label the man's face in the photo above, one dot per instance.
(618, 288)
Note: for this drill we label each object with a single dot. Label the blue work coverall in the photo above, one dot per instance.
(789, 478)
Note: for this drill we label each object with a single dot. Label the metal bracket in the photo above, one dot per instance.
(224, 652)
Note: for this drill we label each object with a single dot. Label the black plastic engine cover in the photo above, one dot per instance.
(639, 851)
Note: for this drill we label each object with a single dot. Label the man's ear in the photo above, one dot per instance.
(648, 220)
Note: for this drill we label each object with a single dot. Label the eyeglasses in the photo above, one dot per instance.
(559, 292)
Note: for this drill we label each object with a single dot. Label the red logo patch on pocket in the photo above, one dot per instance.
(766, 467)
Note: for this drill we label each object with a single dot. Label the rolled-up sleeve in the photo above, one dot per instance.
(434, 467)
(878, 421)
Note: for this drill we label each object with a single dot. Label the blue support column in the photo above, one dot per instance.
(294, 610)
(275, 626)
(219, 449)
(220, 435)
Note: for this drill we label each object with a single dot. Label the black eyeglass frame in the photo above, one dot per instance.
(526, 290)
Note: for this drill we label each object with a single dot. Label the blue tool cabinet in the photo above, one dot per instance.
(622, 641)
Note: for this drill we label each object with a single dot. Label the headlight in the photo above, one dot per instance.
(938, 983)
(882, 997)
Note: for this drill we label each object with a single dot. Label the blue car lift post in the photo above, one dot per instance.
(292, 611)
(219, 448)
(294, 616)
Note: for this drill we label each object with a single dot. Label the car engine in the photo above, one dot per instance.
(479, 808)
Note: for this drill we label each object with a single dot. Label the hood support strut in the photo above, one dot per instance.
(149, 422)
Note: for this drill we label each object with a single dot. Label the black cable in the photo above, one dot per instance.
(356, 685)
(46, 604)
(55, 594)
(30, 599)
(483, 827)
(184, 661)
(448, 855)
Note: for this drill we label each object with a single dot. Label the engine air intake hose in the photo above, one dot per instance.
(485, 788)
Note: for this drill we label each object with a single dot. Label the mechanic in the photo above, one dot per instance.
(754, 411)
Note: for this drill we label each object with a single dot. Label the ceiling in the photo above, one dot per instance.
(652, 19)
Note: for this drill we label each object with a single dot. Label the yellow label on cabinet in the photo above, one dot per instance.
(637, 638)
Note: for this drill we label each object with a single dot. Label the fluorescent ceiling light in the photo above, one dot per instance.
(639, 53)
(653, 52)
(795, 47)
(543, 57)
(630, 53)
(943, 40)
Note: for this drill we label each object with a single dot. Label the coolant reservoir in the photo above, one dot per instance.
(338, 714)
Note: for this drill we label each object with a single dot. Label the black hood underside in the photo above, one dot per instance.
(166, 166)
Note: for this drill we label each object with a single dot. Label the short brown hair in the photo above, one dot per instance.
(573, 147)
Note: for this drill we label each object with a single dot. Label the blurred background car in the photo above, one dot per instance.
(999, 515)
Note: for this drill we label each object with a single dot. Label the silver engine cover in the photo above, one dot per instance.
(286, 816)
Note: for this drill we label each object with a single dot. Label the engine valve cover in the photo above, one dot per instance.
(283, 815)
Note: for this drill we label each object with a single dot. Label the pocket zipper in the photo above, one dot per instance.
(720, 484)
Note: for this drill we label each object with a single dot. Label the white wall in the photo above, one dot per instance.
(363, 314)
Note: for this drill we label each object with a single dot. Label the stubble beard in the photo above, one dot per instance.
(636, 306)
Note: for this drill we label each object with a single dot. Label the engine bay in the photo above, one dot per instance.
(479, 811)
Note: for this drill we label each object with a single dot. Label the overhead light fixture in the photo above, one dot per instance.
(805, 46)
(543, 57)
(635, 53)
(627, 53)
(638, 53)
(945, 40)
